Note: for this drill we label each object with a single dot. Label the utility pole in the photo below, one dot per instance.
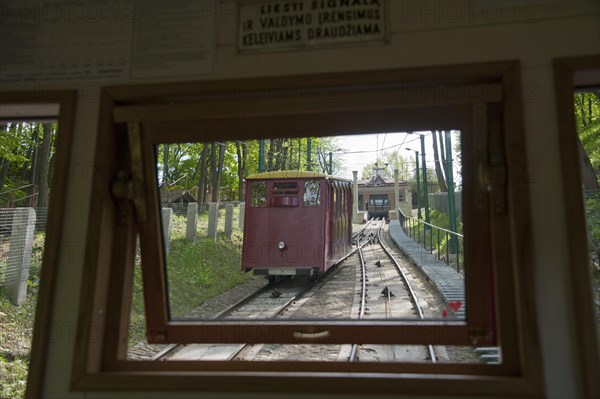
(309, 154)
(453, 244)
(418, 180)
(425, 190)
(261, 155)
(419, 214)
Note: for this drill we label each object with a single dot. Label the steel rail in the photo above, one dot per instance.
(172, 347)
(413, 296)
(363, 297)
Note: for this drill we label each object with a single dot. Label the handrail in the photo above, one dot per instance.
(175, 182)
(10, 202)
(451, 244)
(18, 188)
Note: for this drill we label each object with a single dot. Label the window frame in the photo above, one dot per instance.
(251, 194)
(318, 196)
(101, 365)
(566, 81)
(66, 100)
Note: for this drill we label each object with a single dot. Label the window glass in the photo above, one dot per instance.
(312, 193)
(378, 200)
(259, 194)
(587, 117)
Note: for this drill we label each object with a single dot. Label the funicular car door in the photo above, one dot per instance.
(328, 222)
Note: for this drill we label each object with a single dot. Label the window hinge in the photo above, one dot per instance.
(158, 336)
(479, 335)
(492, 167)
(129, 184)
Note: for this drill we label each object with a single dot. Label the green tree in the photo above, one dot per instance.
(587, 115)
(26, 154)
(390, 161)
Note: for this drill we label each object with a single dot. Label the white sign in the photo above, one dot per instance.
(106, 40)
(285, 25)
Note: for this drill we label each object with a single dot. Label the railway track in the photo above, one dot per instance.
(379, 290)
(376, 273)
(267, 303)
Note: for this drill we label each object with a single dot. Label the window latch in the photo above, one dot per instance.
(129, 184)
(493, 180)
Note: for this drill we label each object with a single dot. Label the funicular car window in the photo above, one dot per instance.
(259, 194)
(284, 188)
(378, 200)
(312, 193)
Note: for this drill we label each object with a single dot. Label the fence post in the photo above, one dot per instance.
(228, 220)
(19, 254)
(192, 222)
(167, 220)
(213, 214)
(242, 207)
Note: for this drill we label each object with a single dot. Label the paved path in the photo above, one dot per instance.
(448, 282)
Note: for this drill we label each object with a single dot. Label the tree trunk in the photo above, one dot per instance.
(3, 172)
(242, 155)
(270, 154)
(165, 173)
(442, 150)
(214, 188)
(284, 158)
(202, 180)
(219, 173)
(438, 167)
(279, 157)
(25, 171)
(590, 180)
(42, 163)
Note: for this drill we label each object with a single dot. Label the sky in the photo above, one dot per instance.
(359, 150)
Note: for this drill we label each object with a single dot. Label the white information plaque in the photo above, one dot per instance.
(105, 40)
(287, 25)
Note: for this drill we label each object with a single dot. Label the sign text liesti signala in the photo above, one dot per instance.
(283, 25)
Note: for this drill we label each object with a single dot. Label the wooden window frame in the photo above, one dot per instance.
(458, 94)
(66, 100)
(566, 81)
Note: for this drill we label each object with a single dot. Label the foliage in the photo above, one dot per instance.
(590, 138)
(19, 151)
(184, 162)
(389, 160)
(592, 210)
(587, 115)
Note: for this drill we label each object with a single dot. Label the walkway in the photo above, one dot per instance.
(448, 282)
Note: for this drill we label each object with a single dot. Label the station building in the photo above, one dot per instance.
(383, 194)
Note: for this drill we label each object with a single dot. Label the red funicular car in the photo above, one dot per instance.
(296, 223)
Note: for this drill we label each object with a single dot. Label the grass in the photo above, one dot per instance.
(195, 272)
(442, 220)
(17, 325)
(592, 210)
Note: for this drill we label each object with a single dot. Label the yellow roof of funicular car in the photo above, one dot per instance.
(288, 174)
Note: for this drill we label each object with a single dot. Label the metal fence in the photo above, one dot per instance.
(439, 202)
(446, 245)
(18, 228)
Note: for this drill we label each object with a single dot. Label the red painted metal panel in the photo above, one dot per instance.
(312, 236)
